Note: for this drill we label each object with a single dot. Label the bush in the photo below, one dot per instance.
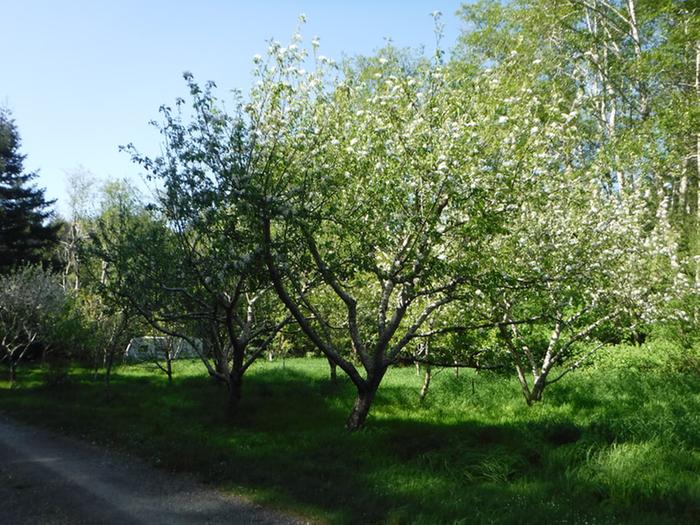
(32, 307)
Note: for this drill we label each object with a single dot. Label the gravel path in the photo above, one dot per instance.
(46, 478)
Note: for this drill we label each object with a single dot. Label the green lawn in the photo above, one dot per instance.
(618, 442)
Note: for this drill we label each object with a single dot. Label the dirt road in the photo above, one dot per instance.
(46, 478)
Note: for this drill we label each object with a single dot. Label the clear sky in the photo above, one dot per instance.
(83, 77)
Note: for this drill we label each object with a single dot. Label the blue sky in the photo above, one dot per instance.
(83, 77)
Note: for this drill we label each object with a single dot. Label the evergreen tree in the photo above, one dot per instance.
(24, 235)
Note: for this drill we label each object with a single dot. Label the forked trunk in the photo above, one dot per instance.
(534, 395)
(538, 389)
(365, 395)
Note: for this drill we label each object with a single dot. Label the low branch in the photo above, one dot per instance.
(577, 363)
(173, 333)
(350, 302)
(293, 307)
(481, 326)
(266, 342)
(417, 324)
(410, 360)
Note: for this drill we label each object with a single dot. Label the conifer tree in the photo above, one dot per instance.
(25, 236)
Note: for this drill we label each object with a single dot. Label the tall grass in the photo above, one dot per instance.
(617, 442)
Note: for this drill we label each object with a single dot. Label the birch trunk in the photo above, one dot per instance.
(428, 370)
(426, 382)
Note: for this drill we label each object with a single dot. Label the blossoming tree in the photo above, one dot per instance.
(574, 256)
(375, 187)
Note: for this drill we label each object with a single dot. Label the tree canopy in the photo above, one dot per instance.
(395, 199)
(519, 205)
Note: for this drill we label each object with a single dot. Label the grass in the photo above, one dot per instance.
(617, 442)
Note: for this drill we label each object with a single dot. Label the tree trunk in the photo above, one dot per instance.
(425, 351)
(522, 379)
(535, 396)
(538, 389)
(426, 382)
(333, 372)
(363, 402)
(108, 362)
(169, 369)
(234, 394)
(366, 390)
(13, 373)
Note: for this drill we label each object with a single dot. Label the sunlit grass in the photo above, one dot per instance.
(617, 442)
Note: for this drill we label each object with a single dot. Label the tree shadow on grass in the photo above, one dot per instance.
(288, 447)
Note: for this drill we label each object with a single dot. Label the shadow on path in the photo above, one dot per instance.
(50, 479)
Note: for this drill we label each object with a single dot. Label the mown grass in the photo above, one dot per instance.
(617, 442)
